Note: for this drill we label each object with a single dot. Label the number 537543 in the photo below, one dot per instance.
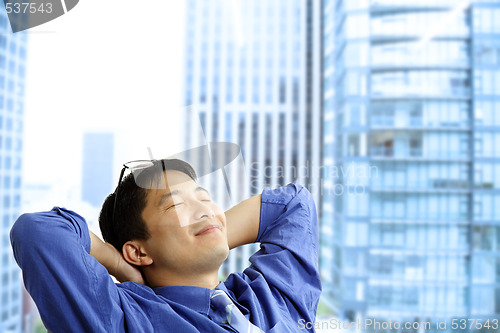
(474, 324)
(27, 7)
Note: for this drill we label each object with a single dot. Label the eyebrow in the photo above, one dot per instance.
(169, 195)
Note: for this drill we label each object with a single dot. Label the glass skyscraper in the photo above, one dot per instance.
(12, 74)
(485, 227)
(252, 78)
(410, 225)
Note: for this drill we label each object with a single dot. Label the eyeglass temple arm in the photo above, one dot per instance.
(116, 192)
(121, 176)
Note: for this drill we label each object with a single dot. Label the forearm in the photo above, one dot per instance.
(243, 222)
(105, 253)
(52, 248)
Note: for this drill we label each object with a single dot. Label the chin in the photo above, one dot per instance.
(218, 254)
(212, 260)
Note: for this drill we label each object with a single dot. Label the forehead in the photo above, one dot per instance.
(176, 179)
(171, 182)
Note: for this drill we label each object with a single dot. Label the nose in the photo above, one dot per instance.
(203, 211)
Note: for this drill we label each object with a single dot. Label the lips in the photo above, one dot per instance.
(207, 229)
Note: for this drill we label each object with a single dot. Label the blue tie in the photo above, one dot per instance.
(234, 318)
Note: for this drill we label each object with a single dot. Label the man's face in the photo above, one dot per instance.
(188, 231)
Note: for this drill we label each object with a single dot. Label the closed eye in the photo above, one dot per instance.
(175, 205)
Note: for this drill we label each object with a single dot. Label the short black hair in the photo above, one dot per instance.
(127, 222)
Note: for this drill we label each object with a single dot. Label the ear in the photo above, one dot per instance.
(134, 253)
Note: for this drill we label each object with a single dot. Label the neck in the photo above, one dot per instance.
(208, 280)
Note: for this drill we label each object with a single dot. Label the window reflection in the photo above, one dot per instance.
(445, 53)
(421, 83)
(411, 24)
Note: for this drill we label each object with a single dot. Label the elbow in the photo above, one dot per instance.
(21, 228)
(26, 233)
(20, 233)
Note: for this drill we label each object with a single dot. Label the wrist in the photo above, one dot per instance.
(112, 259)
(104, 253)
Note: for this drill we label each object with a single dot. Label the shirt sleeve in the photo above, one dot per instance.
(288, 255)
(73, 292)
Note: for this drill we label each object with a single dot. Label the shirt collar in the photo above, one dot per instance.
(195, 298)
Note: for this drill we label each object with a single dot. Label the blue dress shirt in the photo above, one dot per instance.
(74, 293)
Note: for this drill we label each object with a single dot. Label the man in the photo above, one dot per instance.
(168, 239)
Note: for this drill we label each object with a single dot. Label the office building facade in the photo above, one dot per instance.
(12, 83)
(410, 89)
(251, 78)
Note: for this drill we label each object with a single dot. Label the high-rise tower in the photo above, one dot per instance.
(12, 74)
(410, 93)
(251, 78)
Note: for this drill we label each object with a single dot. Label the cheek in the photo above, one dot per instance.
(171, 244)
(180, 218)
(216, 208)
(219, 213)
